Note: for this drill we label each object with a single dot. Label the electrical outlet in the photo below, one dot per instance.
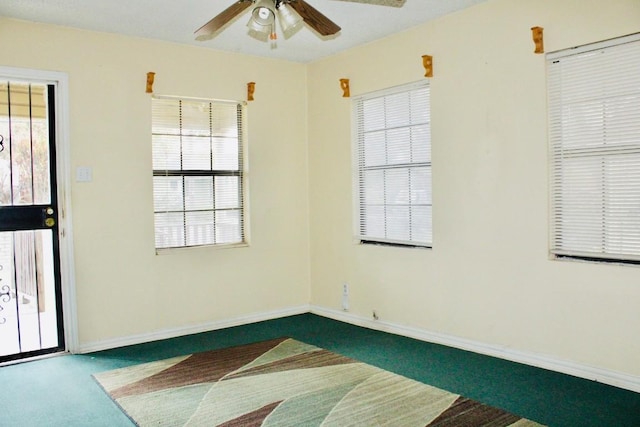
(345, 296)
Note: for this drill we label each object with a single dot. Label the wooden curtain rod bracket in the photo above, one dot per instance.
(251, 87)
(427, 63)
(344, 85)
(538, 39)
(150, 78)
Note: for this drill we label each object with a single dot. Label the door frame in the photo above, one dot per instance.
(63, 175)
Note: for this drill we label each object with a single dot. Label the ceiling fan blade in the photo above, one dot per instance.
(316, 20)
(392, 3)
(209, 29)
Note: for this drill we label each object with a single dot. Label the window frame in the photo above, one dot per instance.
(358, 236)
(607, 151)
(242, 173)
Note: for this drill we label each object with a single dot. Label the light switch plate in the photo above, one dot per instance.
(84, 174)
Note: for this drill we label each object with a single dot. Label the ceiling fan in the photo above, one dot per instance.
(291, 15)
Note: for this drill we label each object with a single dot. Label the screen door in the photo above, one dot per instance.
(31, 321)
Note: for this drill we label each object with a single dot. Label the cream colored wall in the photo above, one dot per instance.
(123, 288)
(488, 277)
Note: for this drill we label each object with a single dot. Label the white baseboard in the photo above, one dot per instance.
(605, 376)
(617, 379)
(188, 330)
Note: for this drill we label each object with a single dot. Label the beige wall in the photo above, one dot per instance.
(123, 288)
(488, 277)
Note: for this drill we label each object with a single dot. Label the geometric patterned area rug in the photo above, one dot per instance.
(284, 382)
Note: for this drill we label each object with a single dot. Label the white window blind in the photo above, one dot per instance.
(197, 172)
(594, 125)
(393, 144)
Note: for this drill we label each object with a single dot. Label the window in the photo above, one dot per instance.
(594, 125)
(197, 172)
(393, 144)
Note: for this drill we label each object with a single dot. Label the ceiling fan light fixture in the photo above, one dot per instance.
(290, 21)
(264, 13)
(262, 23)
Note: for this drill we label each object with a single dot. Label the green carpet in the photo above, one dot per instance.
(287, 383)
(60, 391)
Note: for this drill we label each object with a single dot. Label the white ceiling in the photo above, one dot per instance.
(176, 20)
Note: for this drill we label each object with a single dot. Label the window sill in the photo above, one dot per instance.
(595, 260)
(167, 251)
(365, 242)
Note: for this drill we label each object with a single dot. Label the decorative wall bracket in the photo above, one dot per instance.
(344, 85)
(150, 77)
(538, 39)
(427, 63)
(251, 88)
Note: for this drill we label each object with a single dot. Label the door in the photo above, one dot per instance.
(31, 321)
